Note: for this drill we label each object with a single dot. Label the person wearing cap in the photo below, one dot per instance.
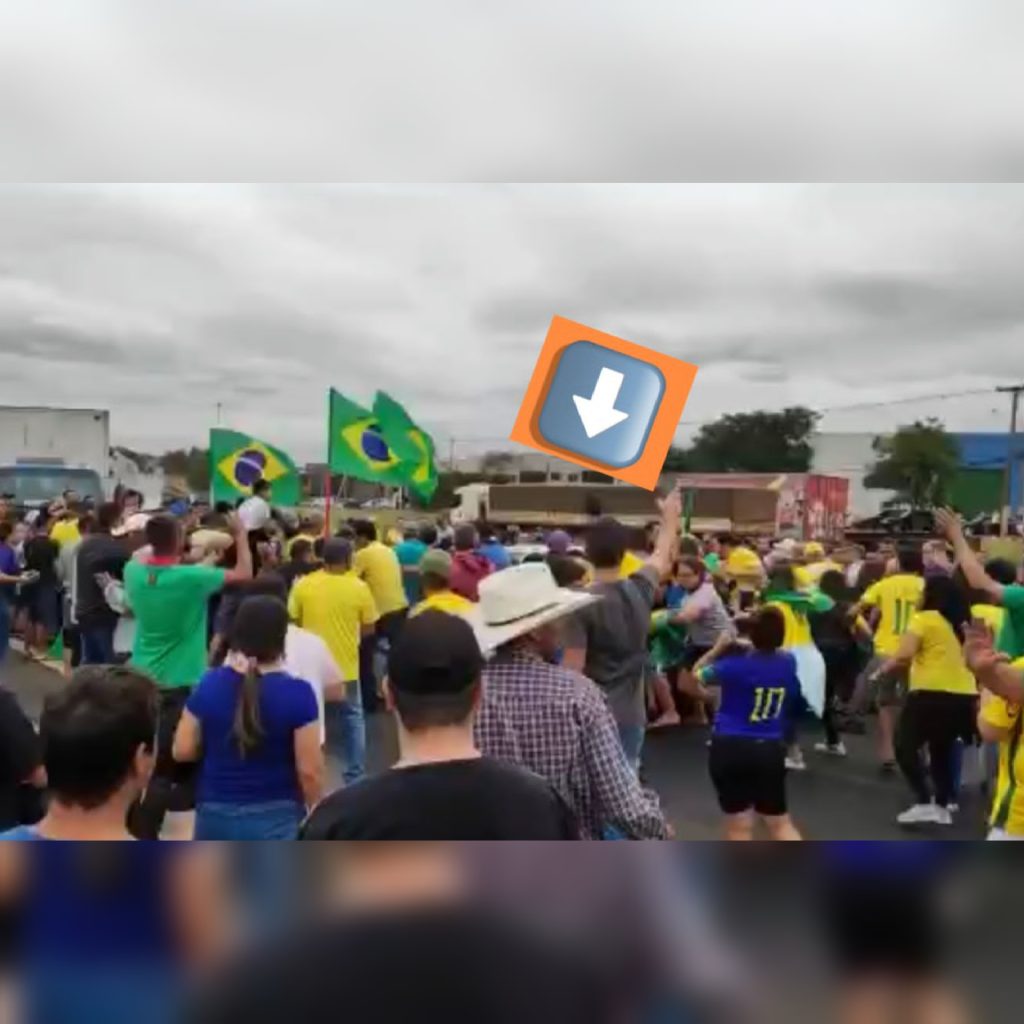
(819, 562)
(100, 553)
(443, 787)
(338, 606)
(435, 580)
(550, 719)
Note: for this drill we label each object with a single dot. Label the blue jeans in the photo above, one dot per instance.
(278, 819)
(346, 733)
(632, 739)
(98, 645)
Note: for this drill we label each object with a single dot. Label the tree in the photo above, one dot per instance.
(755, 442)
(192, 466)
(919, 462)
(677, 461)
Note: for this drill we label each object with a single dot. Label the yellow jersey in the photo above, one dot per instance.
(798, 626)
(992, 615)
(378, 565)
(65, 531)
(444, 601)
(897, 599)
(939, 663)
(1008, 804)
(630, 564)
(335, 606)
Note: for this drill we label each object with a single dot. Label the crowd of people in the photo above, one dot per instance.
(221, 663)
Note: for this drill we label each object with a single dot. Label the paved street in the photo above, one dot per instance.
(833, 800)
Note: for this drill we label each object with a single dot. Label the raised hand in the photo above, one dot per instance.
(947, 522)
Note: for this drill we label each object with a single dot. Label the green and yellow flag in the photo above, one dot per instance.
(357, 447)
(238, 461)
(413, 446)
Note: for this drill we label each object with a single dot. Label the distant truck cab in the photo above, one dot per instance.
(32, 485)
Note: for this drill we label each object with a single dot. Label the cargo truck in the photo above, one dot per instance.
(797, 505)
(47, 451)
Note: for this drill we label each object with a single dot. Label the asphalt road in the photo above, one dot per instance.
(834, 799)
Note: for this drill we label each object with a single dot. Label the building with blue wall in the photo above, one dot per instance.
(986, 456)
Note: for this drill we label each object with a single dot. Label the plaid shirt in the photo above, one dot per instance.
(556, 723)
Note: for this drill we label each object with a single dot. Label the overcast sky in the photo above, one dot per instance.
(160, 301)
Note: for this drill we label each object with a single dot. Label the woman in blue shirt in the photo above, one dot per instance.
(256, 734)
(748, 753)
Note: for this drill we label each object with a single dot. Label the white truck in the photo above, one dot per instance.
(46, 451)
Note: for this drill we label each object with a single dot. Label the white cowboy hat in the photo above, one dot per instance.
(517, 600)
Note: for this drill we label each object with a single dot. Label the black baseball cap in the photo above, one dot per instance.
(436, 653)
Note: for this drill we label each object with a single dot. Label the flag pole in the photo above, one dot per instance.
(328, 487)
(327, 472)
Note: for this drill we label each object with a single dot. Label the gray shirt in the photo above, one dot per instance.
(615, 632)
(714, 619)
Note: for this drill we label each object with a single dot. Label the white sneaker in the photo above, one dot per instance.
(796, 763)
(953, 808)
(839, 750)
(924, 814)
(943, 816)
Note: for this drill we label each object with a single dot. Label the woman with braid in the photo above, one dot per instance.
(256, 734)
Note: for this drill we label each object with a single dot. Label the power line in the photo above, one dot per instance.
(857, 406)
(824, 411)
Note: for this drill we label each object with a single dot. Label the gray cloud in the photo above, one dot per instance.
(161, 302)
(453, 91)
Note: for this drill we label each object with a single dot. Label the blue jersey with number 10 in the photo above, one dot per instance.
(758, 692)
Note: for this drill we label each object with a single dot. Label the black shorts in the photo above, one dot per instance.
(692, 654)
(749, 774)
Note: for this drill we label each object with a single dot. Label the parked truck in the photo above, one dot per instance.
(572, 506)
(47, 451)
(797, 505)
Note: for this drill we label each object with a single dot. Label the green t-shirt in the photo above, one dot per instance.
(170, 608)
(712, 561)
(1011, 637)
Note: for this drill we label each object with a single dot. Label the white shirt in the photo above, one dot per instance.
(254, 513)
(307, 657)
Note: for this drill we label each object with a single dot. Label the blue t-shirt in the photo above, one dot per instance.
(496, 554)
(267, 773)
(409, 554)
(758, 691)
(8, 561)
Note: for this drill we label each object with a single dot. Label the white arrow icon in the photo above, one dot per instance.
(598, 412)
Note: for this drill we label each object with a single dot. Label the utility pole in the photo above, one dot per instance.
(1014, 392)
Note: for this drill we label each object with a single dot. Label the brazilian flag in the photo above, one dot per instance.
(413, 446)
(357, 447)
(238, 461)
